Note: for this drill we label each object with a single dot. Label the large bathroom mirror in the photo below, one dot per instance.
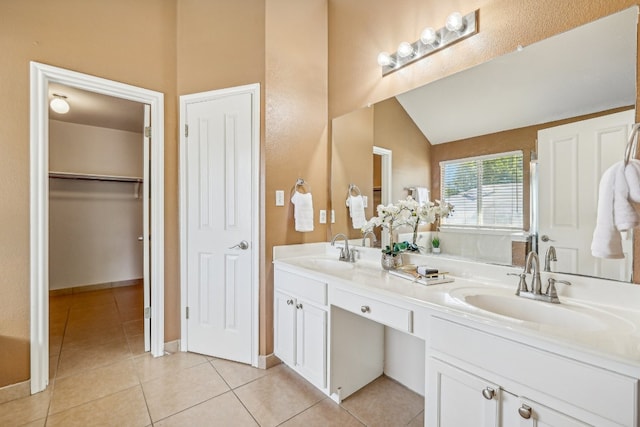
(497, 107)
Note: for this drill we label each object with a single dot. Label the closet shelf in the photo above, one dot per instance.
(93, 177)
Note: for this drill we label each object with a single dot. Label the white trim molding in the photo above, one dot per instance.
(254, 90)
(41, 76)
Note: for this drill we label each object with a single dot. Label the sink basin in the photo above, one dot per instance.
(325, 264)
(505, 303)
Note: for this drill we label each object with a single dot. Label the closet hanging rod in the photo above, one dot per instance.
(93, 177)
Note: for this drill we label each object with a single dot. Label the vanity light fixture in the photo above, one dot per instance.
(457, 27)
(59, 104)
(405, 50)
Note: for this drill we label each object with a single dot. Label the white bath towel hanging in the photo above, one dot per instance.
(302, 211)
(615, 212)
(356, 211)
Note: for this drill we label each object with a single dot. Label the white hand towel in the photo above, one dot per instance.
(422, 195)
(303, 211)
(625, 216)
(632, 173)
(356, 211)
(615, 214)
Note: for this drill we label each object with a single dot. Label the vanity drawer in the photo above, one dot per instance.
(545, 374)
(301, 286)
(382, 312)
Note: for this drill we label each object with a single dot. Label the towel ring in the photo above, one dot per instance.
(631, 149)
(353, 191)
(300, 183)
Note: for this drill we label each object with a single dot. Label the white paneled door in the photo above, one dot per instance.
(571, 160)
(218, 149)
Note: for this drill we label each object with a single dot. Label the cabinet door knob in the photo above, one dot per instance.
(365, 309)
(298, 306)
(488, 393)
(289, 302)
(525, 411)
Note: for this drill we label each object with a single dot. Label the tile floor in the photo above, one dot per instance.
(100, 375)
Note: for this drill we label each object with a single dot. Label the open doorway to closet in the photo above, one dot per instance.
(98, 216)
(93, 211)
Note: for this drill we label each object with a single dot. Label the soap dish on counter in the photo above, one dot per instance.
(430, 279)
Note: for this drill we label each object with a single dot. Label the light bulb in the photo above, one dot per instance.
(384, 59)
(59, 104)
(455, 22)
(405, 49)
(429, 36)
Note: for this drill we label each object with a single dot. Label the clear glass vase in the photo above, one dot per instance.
(389, 262)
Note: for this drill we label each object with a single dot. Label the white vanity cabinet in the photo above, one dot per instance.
(300, 330)
(476, 375)
(464, 399)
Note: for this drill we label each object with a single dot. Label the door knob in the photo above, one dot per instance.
(244, 245)
(140, 238)
(545, 238)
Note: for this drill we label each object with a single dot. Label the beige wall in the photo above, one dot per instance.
(219, 45)
(131, 42)
(411, 151)
(352, 139)
(296, 142)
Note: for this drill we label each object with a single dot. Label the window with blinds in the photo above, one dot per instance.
(485, 191)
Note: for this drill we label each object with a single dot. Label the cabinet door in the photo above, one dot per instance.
(311, 346)
(457, 398)
(284, 339)
(520, 412)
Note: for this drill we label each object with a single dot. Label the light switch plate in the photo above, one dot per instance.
(365, 201)
(323, 216)
(333, 216)
(279, 197)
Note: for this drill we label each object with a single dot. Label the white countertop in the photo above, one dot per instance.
(616, 347)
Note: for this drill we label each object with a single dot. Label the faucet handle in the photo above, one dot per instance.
(522, 284)
(551, 288)
(353, 255)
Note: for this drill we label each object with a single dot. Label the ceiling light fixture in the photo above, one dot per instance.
(457, 27)
(59, 104)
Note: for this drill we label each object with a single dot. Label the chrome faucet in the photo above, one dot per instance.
(532, 266)
(364, 237)
(549, 256)
(533, 261)
(344, 252)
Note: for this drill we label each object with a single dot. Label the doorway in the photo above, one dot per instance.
(41, 76)
(383, 172)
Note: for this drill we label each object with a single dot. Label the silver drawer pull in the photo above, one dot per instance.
(365, 309)
(298, 306)
(488, 393)
(289, 302)
(525, 411)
